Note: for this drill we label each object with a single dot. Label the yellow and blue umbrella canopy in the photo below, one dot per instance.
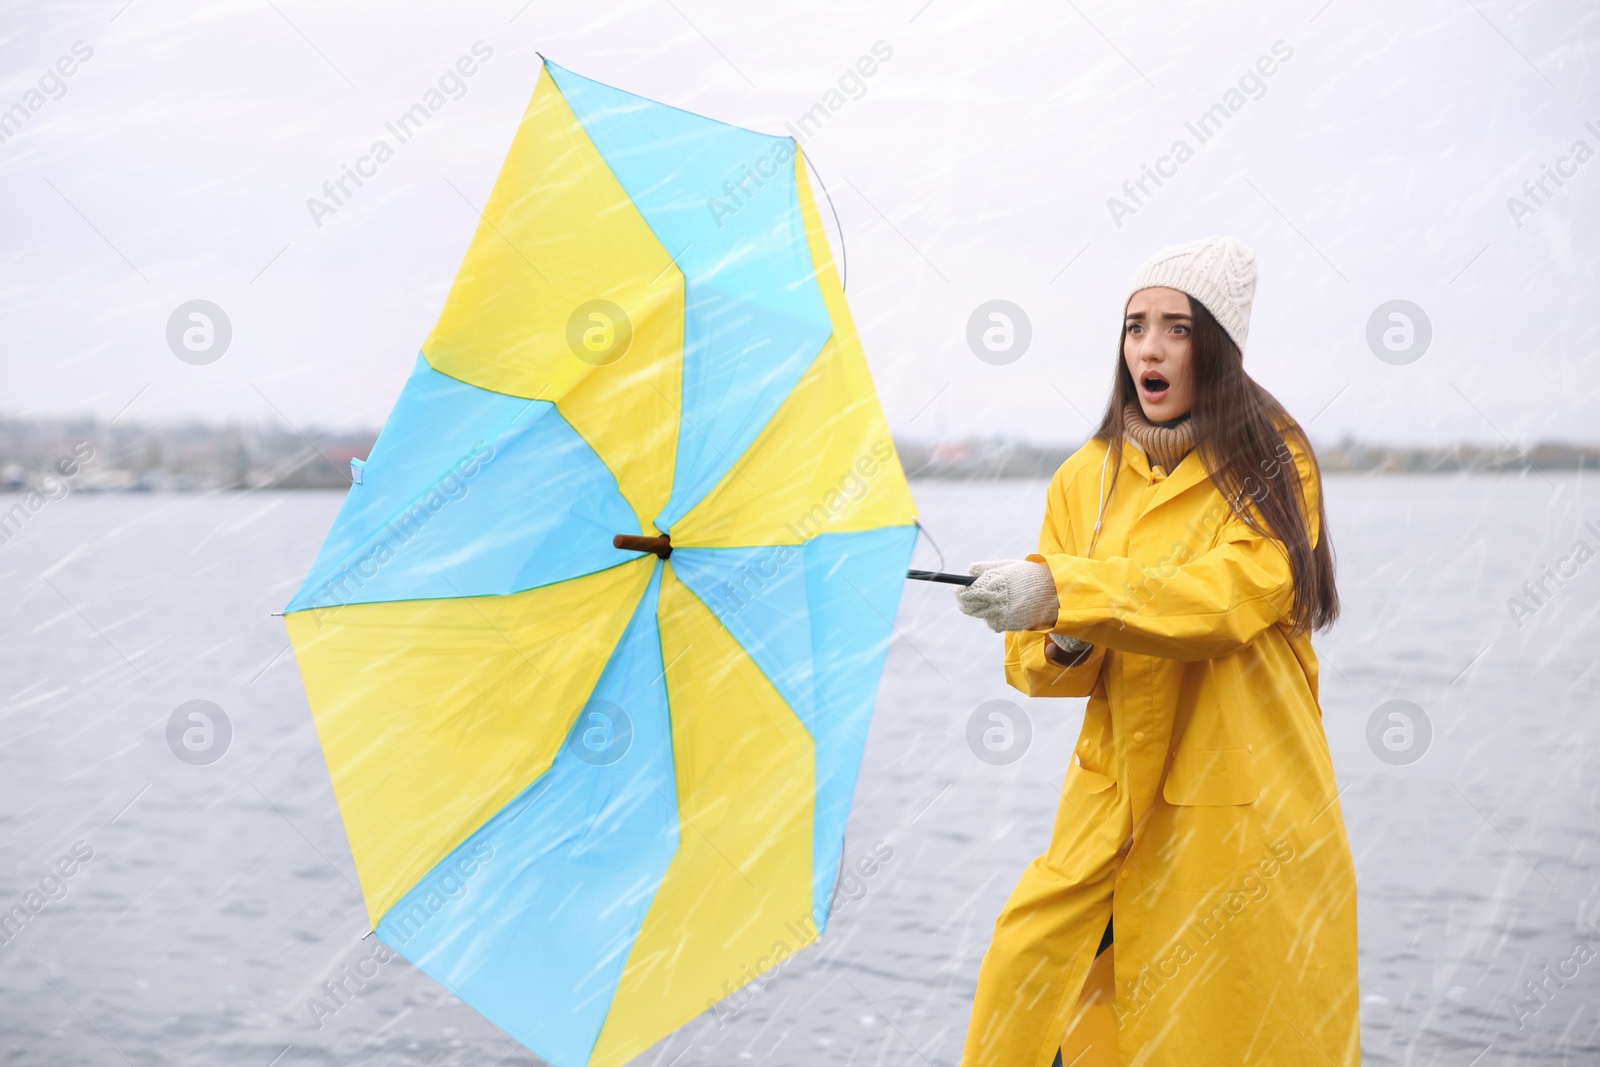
(593, 790)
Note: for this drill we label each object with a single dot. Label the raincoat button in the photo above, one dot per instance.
(1138, 736)
(1123, 874)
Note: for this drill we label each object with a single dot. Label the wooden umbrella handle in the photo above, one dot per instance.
(661, 546)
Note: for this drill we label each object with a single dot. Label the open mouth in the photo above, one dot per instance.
(1154, 385)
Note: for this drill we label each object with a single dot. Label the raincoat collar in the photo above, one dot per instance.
(1189, 472)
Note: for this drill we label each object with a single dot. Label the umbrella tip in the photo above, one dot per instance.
(661, 546)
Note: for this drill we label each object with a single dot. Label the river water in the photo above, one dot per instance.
(207, 902)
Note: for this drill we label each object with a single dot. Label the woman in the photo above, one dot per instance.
(1183, 563)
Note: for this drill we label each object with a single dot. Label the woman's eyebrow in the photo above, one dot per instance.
(1174, 315)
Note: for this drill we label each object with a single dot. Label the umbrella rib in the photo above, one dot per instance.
(896, 229)
(898, 632)
(731, 464)
(490, 623)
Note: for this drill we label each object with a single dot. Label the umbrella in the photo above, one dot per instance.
(593, 642)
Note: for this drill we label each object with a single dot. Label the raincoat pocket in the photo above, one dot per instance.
(1207, 776)
(1214, 834)
(1092, 781)
(1091, 822)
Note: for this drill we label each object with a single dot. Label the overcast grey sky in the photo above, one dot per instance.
(1374, 164)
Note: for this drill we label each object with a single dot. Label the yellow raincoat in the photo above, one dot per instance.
(1200, 806)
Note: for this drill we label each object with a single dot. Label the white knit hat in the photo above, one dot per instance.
(1217, 271)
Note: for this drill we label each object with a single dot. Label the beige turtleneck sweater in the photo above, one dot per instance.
(1164, 446)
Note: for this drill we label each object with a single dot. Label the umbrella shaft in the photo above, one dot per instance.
(940, 576)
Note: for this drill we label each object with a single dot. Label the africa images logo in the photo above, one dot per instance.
(1251, 85)
(344, 585)
(451, 85)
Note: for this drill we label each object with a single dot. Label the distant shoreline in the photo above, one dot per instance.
(10, 495)
(995, 459)
(36, 454)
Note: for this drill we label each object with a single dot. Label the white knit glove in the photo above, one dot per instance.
(1011, 594)
(1069, 644)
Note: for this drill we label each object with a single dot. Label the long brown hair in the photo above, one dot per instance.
(1236, 432)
